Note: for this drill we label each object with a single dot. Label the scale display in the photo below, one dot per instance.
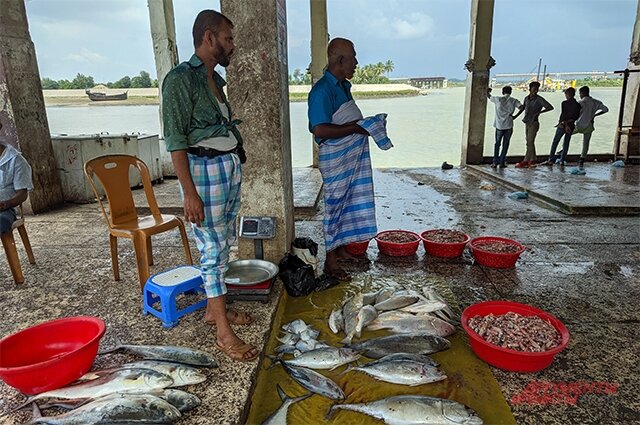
(257, 227)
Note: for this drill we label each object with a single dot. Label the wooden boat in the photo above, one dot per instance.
(98, 96)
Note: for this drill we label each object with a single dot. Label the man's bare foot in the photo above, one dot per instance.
(236, 349)
(233, 316)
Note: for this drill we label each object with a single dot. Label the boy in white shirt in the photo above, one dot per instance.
(590, 108)
(505, 107)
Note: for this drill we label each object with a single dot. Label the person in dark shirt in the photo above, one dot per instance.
(566, 126)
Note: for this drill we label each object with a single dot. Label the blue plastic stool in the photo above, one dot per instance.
(167, 286)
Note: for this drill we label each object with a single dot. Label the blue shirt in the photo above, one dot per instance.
(15, 173)
(325, 98)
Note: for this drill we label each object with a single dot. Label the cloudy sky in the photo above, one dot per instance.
(108, 39)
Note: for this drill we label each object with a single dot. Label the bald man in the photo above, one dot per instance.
(344, 159)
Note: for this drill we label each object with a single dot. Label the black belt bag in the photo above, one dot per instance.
(208, 152)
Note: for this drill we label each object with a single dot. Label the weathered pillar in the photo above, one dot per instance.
(163, 35)
(319, 42)
(630, 141)
(22, 110)
(478, 65)
(258, 91)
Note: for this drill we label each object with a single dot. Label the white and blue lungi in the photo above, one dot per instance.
(217, 181)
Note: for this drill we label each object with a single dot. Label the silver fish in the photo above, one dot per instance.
(314, 382)
(324, 358)
(414, 409)
(444, 313)
(295, 327)
(423, 307)
(413, 324)
(117, 409)
(168, 353)
(181, 400)
(121, 381)
(336, 322)
(402, 343)
(350, 313)
(404, 372)
(396, 302)
(279, 417)
(420, 358)
(309, 334)
(369, 298)
(289, 338)
(383, 294)
(285, 349)
(367, 314)
(181, 374)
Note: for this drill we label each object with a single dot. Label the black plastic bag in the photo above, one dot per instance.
(306, 243)
(298, 277)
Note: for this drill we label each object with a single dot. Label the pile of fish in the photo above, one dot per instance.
(136, 392)
(418, 323)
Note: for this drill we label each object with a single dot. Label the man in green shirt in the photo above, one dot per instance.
(206, 151)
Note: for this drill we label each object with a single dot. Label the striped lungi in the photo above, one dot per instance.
(217, 181)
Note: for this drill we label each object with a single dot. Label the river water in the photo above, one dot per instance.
(425, 130)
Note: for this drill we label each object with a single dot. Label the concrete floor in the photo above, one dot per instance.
(582, 269)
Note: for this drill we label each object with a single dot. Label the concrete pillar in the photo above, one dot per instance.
(22, 110)
(630, 142)
(258, 91)
(163, 35)
(478, 65)
(319, 42)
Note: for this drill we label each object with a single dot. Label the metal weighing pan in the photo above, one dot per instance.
(250, 272)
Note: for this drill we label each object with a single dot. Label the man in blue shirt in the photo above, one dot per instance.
(15, 183)
(344, 160)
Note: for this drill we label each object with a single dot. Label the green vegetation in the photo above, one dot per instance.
(608, 82)
(368, 74)
(86, 82)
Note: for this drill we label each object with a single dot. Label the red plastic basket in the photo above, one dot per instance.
(495, 260)
(357, 248)
(505, 358)
(444, 249)
(50, 355)
(398, 249)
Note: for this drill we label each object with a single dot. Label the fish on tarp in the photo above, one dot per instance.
(444, 313)
(366, 315)
(313, 381)
(383, 294)
(115, 409)
(168, 353)
(424, 307)
(420, 358)
(410, 323)
(415, 409)
(121, 381)
(350, 314)
(181, 374)
(289, 338)
(324, 358)
(279, 417)
(396, 302)
(403, 372)
(336, 322)
(376, 348)
(295, 327)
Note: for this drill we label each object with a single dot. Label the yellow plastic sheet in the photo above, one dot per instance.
(469, 379)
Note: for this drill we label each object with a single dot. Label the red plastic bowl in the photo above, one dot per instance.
(50, 355)
(357, 248)
(495, 260)
(398, 249)
(504, 358)
(446, 249)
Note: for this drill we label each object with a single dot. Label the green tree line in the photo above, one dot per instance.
(86, 82)
(374, 73)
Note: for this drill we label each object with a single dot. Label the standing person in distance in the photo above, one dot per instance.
(570, 111)
(207, 152)
(503, 123)
(534, 105)
(590, 108)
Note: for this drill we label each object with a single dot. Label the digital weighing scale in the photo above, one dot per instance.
(251, 280)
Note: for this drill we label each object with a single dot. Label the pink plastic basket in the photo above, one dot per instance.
(398, 249)
(492, 259)
(444, 249)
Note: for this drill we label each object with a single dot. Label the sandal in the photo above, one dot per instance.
(237, 318)
(338, 274)
(237, 352)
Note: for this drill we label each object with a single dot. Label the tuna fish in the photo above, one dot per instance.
(116, 409)
(180, 374)
(168, 353)
(404, 372)
(420, 358)
(403, 343)
(314, 382)
(279, 417)
(324, 358)
(414, 409)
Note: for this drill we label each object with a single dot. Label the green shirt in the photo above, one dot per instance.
(190, 112)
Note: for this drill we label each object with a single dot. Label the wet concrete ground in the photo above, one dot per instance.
(582, 269)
